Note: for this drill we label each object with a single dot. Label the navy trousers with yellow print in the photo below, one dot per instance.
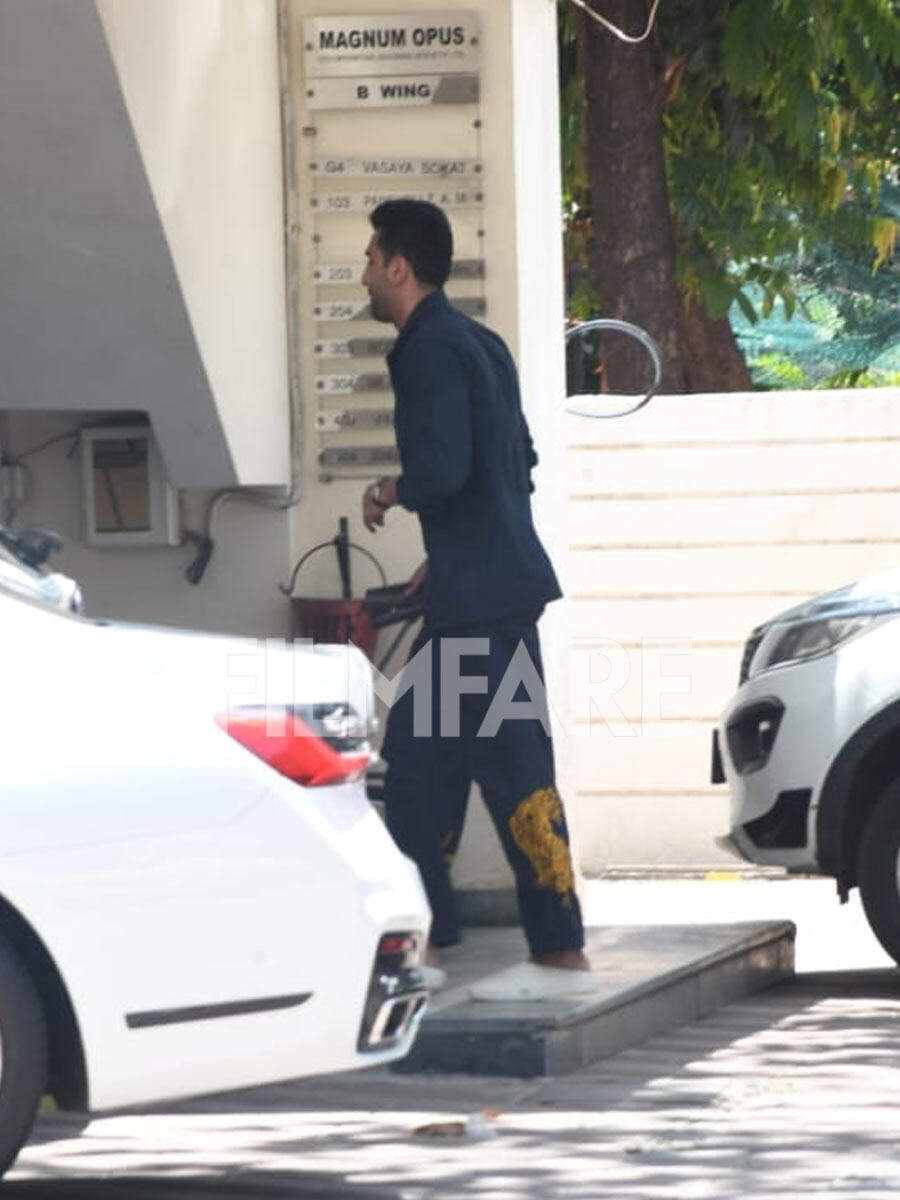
(434, 747)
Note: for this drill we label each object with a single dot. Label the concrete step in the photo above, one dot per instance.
(653, 978)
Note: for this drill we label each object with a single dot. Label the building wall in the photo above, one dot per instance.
(141, 233)
(239, 592)
(200, 83)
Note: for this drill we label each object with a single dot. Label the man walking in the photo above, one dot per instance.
(466, 458)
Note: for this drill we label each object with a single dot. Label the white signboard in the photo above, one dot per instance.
(343, 310)
(359, 310)
(358, 456)
(353, 347)
(392, 168)
(346, 385)
(391, 44)
(365, 202)
(395, 91)
(337, 274)
(355, 418)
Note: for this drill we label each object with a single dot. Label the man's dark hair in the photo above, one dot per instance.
(420, 232)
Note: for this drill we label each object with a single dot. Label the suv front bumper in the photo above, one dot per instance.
(768, 749)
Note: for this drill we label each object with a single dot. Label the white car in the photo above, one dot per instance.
(810, 746)
(195, 893)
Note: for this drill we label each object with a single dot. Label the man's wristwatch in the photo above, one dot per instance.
(375, 495)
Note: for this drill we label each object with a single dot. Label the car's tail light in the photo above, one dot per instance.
(400, 950)
(291, 744)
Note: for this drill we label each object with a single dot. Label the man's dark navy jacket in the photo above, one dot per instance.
(466, 456)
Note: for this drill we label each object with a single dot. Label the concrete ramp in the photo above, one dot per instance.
(653, 978)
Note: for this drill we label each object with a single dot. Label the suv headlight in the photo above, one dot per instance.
(809, 639)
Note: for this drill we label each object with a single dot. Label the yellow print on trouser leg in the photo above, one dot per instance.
(532, 828)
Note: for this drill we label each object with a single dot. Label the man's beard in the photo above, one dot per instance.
(378, 307)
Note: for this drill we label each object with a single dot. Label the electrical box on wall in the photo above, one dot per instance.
(127, 499)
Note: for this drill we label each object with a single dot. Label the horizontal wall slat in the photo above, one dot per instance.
(629, 618)
(650, 681)
(749, 416)
(624, 830)
(738, 519)
(818, 568)
(733, 470)
(649, 758)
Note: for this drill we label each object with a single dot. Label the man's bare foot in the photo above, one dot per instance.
(432, 958)
(434, 974)
(568, 960)
(560, 976)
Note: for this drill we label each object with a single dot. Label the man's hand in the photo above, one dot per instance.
(416, 580)
(377, 499)
(372, 514)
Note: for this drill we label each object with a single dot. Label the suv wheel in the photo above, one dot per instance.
(879, 870)
(23, 1053)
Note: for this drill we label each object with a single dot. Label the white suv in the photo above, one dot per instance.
(810, 746)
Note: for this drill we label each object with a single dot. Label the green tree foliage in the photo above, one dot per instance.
(581, 285)
(846, 330)
(780, 128)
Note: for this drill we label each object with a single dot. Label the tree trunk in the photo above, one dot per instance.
(714, 362)
(633, 235)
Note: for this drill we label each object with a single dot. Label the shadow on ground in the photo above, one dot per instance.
(159, 1186)
(793, 1092)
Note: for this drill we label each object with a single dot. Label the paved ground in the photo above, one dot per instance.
(795, 1092)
